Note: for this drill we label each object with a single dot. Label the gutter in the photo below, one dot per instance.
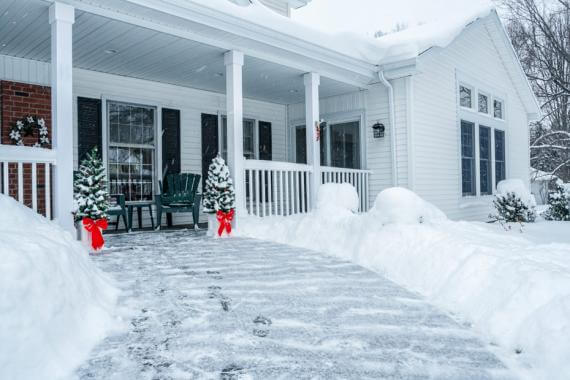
(392, 111)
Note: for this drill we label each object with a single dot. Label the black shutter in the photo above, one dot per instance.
(209, 143)
(265, 142)
(170, 141)
(89, 130)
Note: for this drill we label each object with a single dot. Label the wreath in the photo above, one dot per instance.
(26, 127)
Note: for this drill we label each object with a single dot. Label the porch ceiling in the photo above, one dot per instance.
(115, 47)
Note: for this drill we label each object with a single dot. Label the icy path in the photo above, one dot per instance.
(241, 309)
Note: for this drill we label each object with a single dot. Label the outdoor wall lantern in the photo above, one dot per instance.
(379, 130)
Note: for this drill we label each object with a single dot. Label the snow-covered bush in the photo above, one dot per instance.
(513, 203)
(55, 305)
(219, 192)
(90, 191)
(399, 205)
(559, 203)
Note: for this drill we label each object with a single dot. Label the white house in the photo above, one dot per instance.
(167, 84)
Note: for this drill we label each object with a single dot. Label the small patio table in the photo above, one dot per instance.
(139, 206)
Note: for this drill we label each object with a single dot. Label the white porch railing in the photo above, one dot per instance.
(277, 188)
(358, 178)
(24, 170)
(283, 188)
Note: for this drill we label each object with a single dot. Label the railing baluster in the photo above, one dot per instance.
(34, 187)
(287, 202)
(257, 211)
(303, 193)
(47, 173)
(21, 182)
(263, 192)
(281, 211)
(274, 199)
(250, 179)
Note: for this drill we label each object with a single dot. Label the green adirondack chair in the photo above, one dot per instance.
(179, 194)
(119, 210)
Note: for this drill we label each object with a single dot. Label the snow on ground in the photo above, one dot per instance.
(204, 308)
(514, 288)
(55, 305)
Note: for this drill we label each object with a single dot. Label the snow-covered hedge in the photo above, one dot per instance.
(559, 202)
(54, 303)
(514, 203)
(515, 293)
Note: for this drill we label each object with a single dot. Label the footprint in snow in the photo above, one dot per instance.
(261, 326)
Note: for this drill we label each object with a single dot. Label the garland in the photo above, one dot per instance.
(26, 127)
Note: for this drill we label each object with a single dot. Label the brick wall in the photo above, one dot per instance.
(18, 100)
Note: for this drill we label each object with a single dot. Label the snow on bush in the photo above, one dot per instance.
(55, 305)
(399, 205)
(514, 202)
(559, 203)
(514, 292)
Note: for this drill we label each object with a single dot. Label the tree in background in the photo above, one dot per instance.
(540, 32)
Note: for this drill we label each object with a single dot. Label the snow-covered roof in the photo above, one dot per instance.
(378, 51)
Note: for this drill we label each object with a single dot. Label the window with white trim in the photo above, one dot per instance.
(500, 163)
(485, 170)
(483, 103)
(498, 110)
(465, 96)
(131, 150)
(468, 180)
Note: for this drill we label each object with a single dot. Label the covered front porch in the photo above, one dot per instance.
(166, 92)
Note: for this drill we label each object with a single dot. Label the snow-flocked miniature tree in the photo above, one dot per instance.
(512, 209)
(219, 193)
(90, 193)
(559, 203)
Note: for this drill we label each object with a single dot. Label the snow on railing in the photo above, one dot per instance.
(24, 170)
(358, 178)
(277, 188)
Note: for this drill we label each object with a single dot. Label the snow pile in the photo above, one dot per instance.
(54, 304)
(515, 292)
(337, 198)
(387, 49)
(399, 205)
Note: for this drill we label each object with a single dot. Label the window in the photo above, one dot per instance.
(251, 137)
(498, 109)
(485, 173)
(344, 145)
(131, 150)
(465, 97)
(468, 158)
(483, 103)
(500, 167)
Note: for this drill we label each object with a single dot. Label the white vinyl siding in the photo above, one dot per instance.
(473, 55)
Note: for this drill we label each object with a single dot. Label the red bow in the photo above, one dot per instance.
(225, 220)
(95, 227)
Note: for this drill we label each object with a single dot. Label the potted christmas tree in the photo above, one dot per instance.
(91, 201)
(219, 198)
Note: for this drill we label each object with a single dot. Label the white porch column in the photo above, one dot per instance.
(312, 82)
(234, 103)
(61, 18)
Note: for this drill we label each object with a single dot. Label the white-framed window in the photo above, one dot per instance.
(500, 154)
(483, 103)
(468, 174)
(131, 150)
(257, 136)
(485, 161)
(465, 96)
(498, 109)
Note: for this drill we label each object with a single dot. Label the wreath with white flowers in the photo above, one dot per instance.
(26, 127)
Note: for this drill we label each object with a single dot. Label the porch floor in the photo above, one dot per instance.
(242, 309)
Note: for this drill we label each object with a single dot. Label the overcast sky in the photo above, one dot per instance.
(368, 16)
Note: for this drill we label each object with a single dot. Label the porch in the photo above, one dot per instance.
(156, 74)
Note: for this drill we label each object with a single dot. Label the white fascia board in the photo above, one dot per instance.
(329, 63)
(298, 3)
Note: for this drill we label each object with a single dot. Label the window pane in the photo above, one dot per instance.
(500, 163)
(345, 145)
(301, 144)
(483, 103)
(485, 159)
(467, 158)
(131, 164)
(498, 109)
(248, 139)
(465, 96)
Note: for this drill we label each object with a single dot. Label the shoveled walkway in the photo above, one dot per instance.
(245, 309)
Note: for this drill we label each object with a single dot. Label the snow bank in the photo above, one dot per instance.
(515, 292)
(337, 198)
(54, 304)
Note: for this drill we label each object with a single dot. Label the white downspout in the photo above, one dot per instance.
(392, 111)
